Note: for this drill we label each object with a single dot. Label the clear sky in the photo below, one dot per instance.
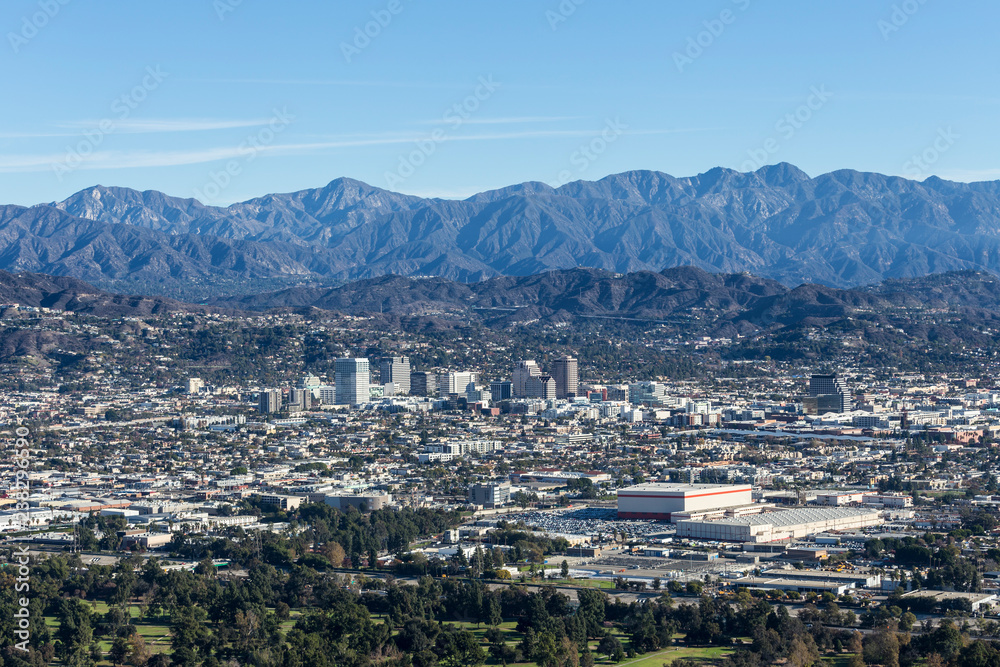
(231, 99)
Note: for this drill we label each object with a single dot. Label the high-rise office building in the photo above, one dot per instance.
(523, 371)
(194, 385)
(269, 401)
(566, 372)
(352, 378)
(328, 395)
(540, 386)
(423, 383)
(396, 370)
(828, 393)
(454, 382)
(501, 390)
(300, 400)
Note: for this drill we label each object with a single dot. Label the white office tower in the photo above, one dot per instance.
(328, 395)
(194, 385)
(396, 370)
(454, 382)
(351, 377)
(523, 371)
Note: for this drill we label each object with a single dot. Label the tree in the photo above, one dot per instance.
(564, 570)
(334, 553)
(493, 615)
(882, 648)
(611, 647)
(119, 651)
(138, 651)
(75, 632)
(802, 652)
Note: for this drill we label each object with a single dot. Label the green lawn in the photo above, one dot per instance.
(707, 655)
(156, 633)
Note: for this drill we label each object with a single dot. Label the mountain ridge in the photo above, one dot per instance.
(845, 229)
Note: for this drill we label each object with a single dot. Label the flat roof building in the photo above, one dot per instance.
(657, 500)
(780, 525)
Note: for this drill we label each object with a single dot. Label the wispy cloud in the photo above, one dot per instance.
(73, 128)
(153, 125)
(142, 159)
(511, 120)
(332, 82)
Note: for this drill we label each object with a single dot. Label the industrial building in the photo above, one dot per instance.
(657, 500)
(780, 525)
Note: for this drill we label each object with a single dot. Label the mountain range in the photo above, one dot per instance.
(841, 229)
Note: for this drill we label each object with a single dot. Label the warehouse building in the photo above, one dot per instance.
(657, 500)
(782, 525)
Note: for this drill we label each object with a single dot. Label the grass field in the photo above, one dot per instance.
(156, 633)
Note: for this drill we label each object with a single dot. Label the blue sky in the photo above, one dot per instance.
(230, 99)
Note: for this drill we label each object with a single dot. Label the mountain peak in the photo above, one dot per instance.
(781, 174)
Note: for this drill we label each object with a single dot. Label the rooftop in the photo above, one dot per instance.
(665, 487)
(797, 516)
